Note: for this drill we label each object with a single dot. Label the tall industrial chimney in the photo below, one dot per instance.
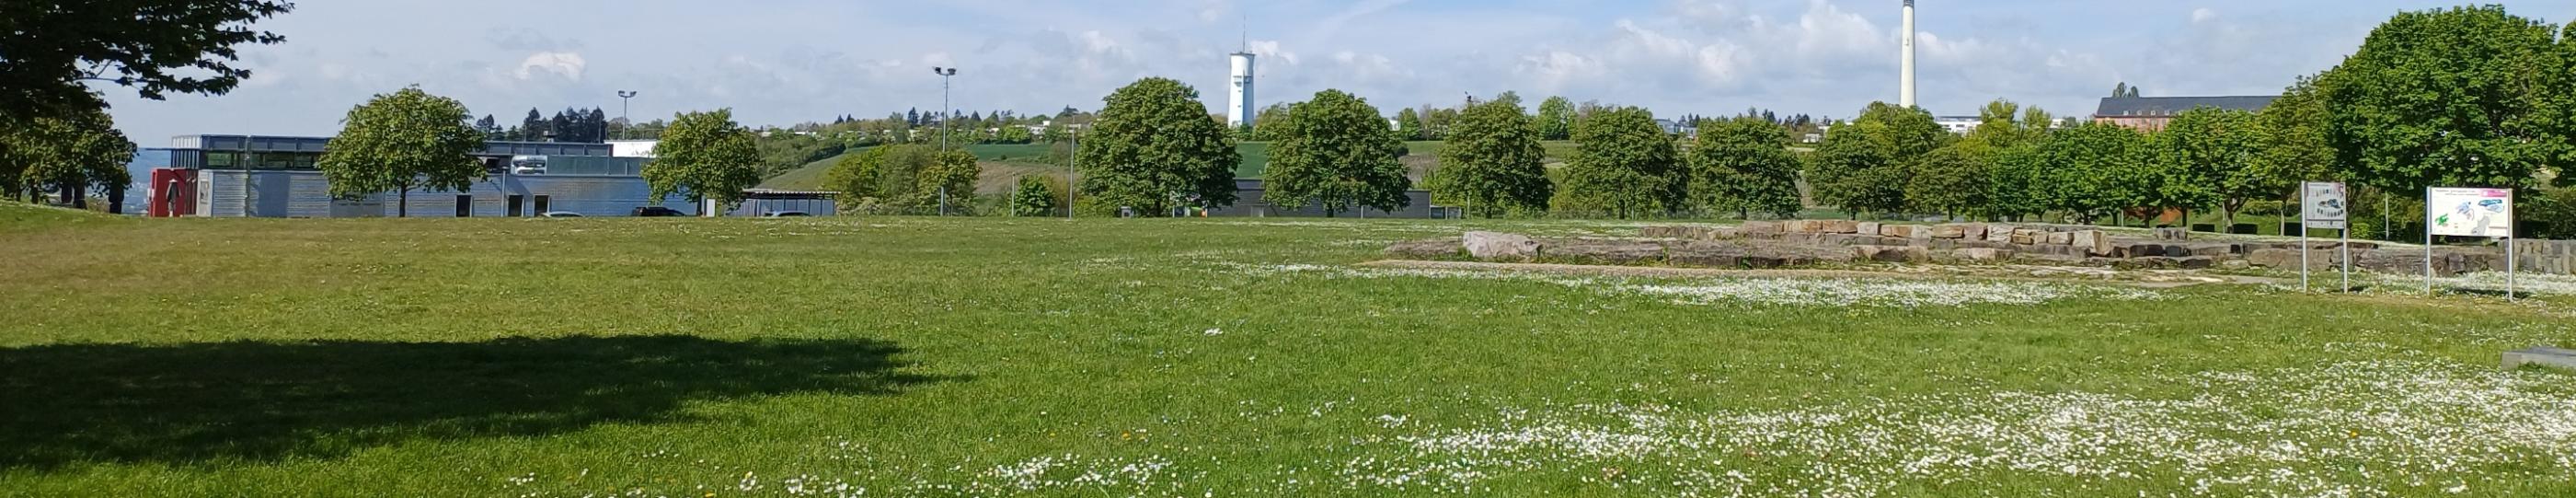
(1238, 110)
(1905, 80)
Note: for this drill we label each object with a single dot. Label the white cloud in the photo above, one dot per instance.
(567, 65)
(2202, 15)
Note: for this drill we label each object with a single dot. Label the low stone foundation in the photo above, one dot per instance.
(2088, 245)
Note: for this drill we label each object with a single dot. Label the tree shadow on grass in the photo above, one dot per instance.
(205, 403)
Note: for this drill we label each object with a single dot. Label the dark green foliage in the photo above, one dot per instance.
(1949, 180)
(401, 141)
(2017, 180)
(69, 153)
(2205, 157)
(1036, 196)
(1154, 148)
(1625, 165)
(2095, 170)
(1336, 151)
(1743, 166)
(2466, 96)
(1850, 171)
(903, 179)
(49, 49)
(704, 155)
(1493, 163)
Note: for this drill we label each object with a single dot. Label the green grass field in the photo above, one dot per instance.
(1018, 357)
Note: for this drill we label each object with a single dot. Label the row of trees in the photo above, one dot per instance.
(412, 140)
(2470, 96)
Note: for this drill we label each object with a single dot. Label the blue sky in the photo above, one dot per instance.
(781, 62)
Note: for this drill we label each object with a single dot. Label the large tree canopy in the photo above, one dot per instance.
(1336, 151)
(402, 141)
(1154, 147)
(66, 154)
(704, 155)
(1851, 172)
(1743, 165)
(2096, 169)
(2205, 157)
(49, 48)
(1555, 119)
(2467, 96)
(1625, 164)
(1494, 162)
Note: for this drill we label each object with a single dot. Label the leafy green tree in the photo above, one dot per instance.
(1949, 180)
(1850, 171)
(1556, 119)
(1902, 133)
(2095, 170)
(1035, 197)
(1335, 151)
(858, 176)
(1153, 148)
(1744, 165)
(1625, 164)
(402, 141)
(2206, 157)
(1493, 162)
(2456, 97)
(2017, 180)
(1408, 124)
(949, 182)
(50, 50)
(67, 153)
(2290, 141)
(704, 156)
(1272, 124)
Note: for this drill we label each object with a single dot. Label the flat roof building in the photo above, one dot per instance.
(278, 177)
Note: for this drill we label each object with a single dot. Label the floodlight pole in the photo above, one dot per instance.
(944, 74)
(626, 112)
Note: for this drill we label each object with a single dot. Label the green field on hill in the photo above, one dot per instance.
(890, 356)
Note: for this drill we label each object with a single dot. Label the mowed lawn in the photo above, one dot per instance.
(1016, 357)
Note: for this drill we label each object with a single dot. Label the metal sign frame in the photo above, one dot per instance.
(2512, 282)
(2325, 205)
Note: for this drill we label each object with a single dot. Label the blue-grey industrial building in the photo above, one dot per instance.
(265, 176)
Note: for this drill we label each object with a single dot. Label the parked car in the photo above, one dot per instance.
(657, 212)
(561, 214)
(785, 214)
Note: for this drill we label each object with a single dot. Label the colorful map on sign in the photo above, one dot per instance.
(2471, 212)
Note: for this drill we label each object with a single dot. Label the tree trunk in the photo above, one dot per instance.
(116, 199)
(402, 206)
(72, 194)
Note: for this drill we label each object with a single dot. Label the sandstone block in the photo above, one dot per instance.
(2061, 238)
(1500, 246)
(1753, 228)
(1838, 226)
(1871, 228)
(1892, 254)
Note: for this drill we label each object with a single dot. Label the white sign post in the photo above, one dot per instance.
(2322, 205)
(2469, 212)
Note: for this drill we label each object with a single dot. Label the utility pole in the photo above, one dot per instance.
(625, 112)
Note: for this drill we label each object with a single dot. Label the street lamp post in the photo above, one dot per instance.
(625, 112)
(944, 73)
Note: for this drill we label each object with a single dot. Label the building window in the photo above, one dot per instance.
(515, 202)
(544, 205)
(465, 206)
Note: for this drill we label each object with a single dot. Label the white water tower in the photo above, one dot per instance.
(1238, 109)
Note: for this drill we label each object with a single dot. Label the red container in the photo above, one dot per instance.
(174, 193)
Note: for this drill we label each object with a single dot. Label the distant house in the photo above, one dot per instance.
(2150, 114)
(1672, 127)
(1959, 125)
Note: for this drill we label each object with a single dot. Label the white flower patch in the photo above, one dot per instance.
(1878, 292)
(2351, 429)
(1070, 472)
